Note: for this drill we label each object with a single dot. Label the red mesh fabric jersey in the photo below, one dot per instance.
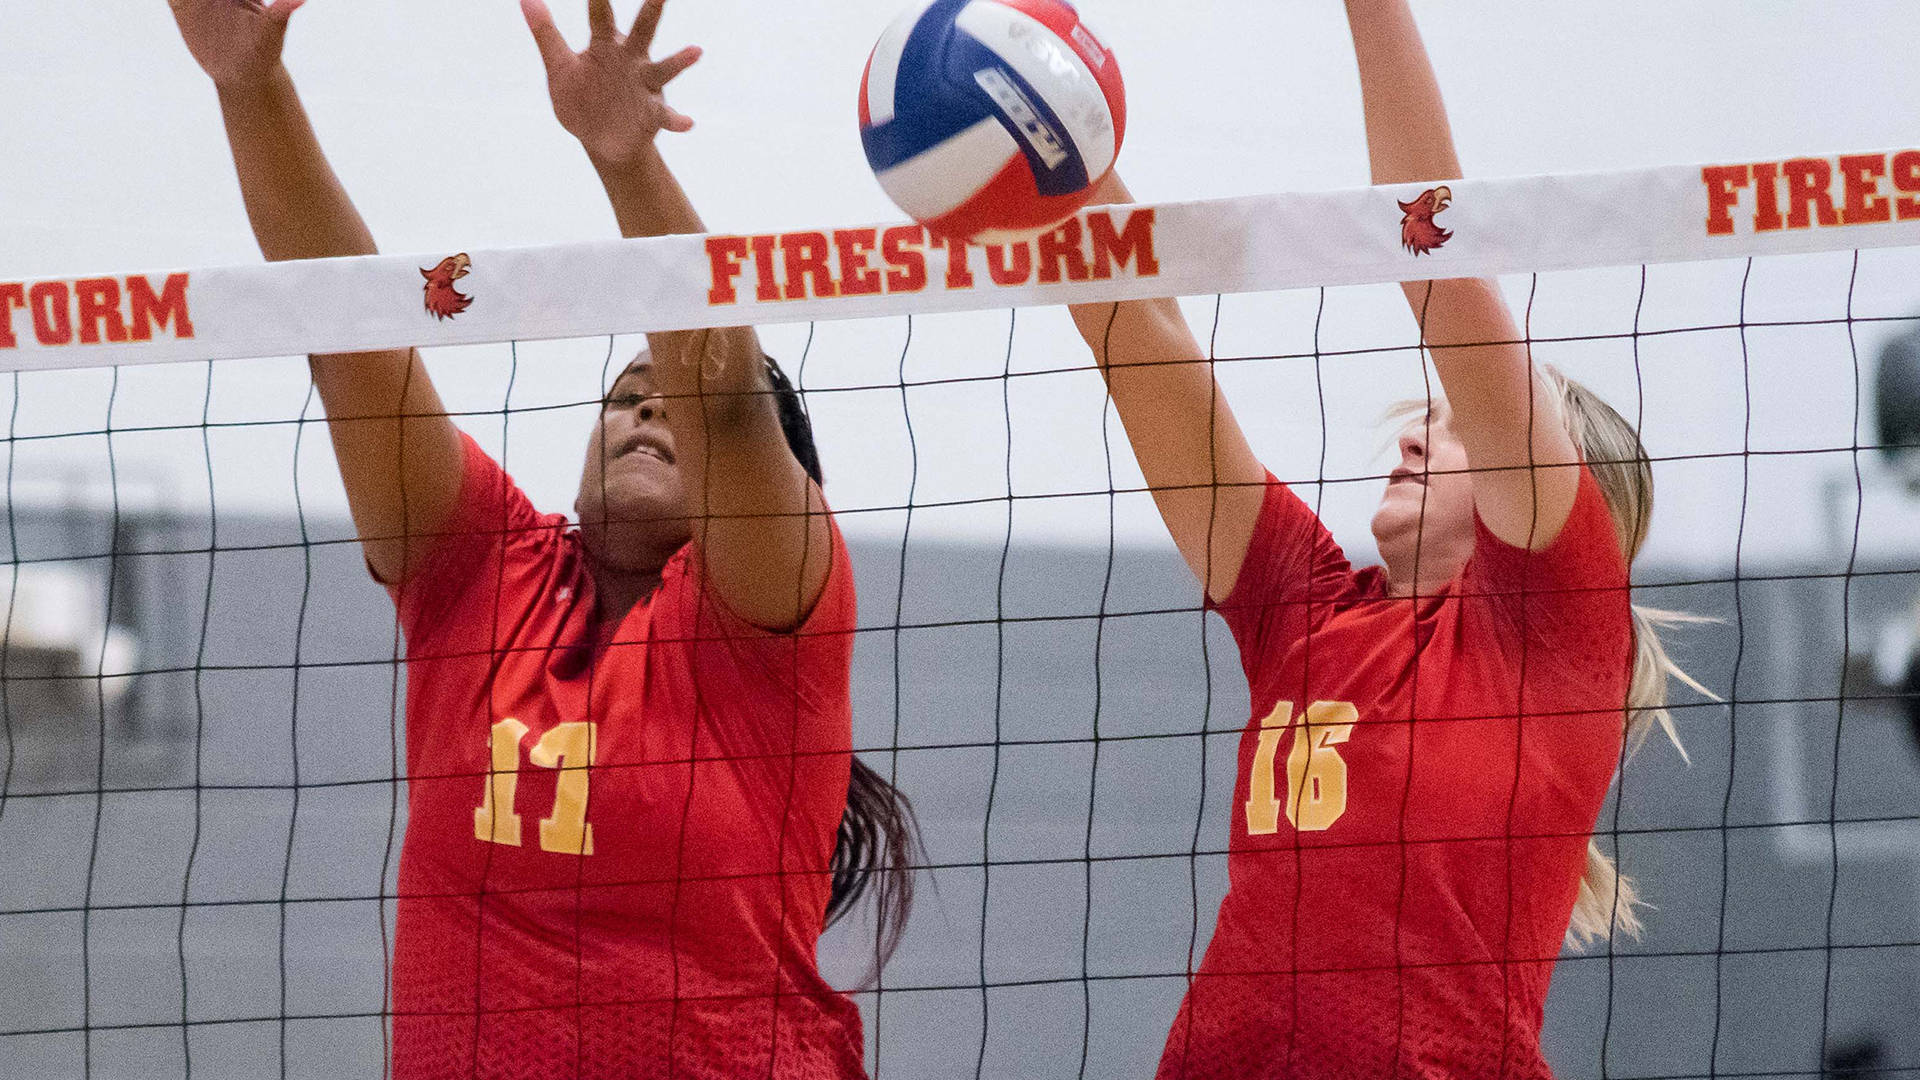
(635, 898)
(1415, 794)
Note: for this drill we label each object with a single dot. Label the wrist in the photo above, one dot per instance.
(625, 164)
(253, 86)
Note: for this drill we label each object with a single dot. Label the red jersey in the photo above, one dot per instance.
(616, 854)
(1416, 791)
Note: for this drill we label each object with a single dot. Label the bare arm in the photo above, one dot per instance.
(1505, 414)
(1204, 477)
(760, 521)
(400, 457)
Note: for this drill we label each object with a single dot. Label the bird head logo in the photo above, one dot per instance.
(443, 300)
(1419, 232)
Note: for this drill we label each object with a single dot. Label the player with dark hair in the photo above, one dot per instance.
(632, 803)
(1432, 740)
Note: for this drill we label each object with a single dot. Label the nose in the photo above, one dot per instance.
(652, 408)
(1413, 448)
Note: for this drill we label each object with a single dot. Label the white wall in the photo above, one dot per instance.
(435, 114)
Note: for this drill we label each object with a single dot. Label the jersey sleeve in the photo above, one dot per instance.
(1293, 575)
(776, 685)
(493, 530)
(1571, 597)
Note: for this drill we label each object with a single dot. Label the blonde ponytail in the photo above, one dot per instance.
(1608, 901)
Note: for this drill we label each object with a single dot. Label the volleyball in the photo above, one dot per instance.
(991, 120)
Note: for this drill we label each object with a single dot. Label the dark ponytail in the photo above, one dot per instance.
(879, 835)
(878, 840)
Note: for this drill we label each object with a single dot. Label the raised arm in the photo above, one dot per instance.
(1505, 415)
(760, 523)
(400, 457)
(1204, 477)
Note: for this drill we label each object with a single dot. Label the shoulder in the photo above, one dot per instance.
(687, 597)
(1573, 599)
(496, 550)
(1291, 556)
(1586, 553)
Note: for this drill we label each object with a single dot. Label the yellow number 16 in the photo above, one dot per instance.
(1316, 774)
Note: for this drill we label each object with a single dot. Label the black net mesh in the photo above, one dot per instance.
(204, 787)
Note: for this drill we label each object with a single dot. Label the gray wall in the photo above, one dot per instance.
(999, 686)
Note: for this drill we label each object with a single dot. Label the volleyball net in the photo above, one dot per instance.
(204, 783)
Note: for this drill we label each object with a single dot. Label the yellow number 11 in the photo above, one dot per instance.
(1316, 773)
(569, 748)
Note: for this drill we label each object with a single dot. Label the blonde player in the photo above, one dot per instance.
(1431, 740)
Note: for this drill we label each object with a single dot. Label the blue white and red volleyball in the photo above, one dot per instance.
(991, 120)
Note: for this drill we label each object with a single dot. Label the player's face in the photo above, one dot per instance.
(1426, 514)
(632, 506)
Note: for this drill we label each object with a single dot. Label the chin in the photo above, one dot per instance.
(1395, 516)
(1386, 535)
(647, 512)
(635, 503)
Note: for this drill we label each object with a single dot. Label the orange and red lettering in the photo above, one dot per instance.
(857, 277)
(1906, 180)
(100, 311)
(1010, 273)
(52, 321)
(1864, 204)
(1060, 254)
(1723, 194)
(900, 247)
(1810, 200)
(1810, 193)
(13, 296)
(150, 311)
(729, 257)
(1134, 244)
(959, 274)
(1766, 188)
(763, 248)
(807, 259)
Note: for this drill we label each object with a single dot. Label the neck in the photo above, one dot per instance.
(618, 591)
(1422, 570)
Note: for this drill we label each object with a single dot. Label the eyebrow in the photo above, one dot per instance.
(633, 371)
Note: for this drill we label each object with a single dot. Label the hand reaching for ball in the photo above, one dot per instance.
(611, 96)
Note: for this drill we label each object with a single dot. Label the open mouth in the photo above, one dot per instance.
(645, 447)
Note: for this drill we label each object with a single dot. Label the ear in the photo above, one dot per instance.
(428, 274)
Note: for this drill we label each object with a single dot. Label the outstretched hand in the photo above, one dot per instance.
(612, 96)
(236, 42)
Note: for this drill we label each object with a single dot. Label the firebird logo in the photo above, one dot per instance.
(1419, 232)
(443, 300)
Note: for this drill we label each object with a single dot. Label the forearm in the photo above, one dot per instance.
(401, 477)
(760, 524)
(1409, 140)
(1505, 415)
(647, 198)
(722, 366)
(294, 201)
(1152, 333)
(1153, 366)
(1204, 477)
(1408, 136)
